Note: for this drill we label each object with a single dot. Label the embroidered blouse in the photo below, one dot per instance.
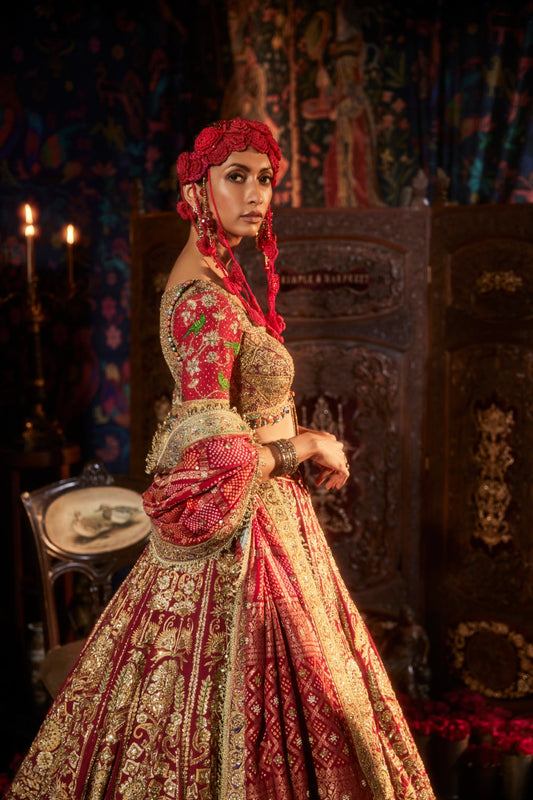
(215, 353)
(230, 376)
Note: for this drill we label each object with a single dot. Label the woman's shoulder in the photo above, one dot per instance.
(201, 293)
(196, 287)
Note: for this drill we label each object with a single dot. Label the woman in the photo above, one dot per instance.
(231, 663)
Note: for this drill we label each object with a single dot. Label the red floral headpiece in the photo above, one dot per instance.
(212, 147)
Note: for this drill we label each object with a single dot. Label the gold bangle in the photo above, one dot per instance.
(288, 462)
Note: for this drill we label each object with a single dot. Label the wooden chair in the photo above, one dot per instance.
(86, 530)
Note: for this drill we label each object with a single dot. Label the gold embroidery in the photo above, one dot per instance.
(320, 582)
(267, 372)
(232, 774)
(186, 426)
(194, 696)
(151, 717)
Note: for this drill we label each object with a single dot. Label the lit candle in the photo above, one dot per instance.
(70, 254)
(29, 232)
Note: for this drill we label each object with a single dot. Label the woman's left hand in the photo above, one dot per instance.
(334, 468)
(333, 478)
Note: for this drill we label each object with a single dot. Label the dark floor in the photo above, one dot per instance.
(23, 709)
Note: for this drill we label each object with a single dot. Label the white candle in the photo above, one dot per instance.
(70, 254)
(29, 232)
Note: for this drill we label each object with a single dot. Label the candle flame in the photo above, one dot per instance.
(70, 234)
(29, 230)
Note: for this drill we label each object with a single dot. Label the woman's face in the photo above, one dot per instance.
(241, 190)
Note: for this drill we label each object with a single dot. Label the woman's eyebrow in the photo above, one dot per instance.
(246, 168)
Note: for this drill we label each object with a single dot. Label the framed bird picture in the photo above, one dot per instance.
(96, 519)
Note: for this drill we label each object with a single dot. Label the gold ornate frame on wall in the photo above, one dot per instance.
(507, 674)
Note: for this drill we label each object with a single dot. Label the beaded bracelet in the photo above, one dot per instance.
(288, 458)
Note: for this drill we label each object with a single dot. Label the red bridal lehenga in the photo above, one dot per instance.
(231, 664)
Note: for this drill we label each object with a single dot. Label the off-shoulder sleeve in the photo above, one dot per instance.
(203, 455)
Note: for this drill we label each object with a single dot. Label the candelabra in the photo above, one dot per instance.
(38, 430)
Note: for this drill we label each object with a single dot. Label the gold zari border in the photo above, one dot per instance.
(186, 425)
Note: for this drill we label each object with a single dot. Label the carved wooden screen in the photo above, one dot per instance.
(353, 294)
(479, 516)
(156, 239)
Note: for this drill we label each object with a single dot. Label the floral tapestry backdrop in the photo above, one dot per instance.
(98, 99)
(362, 95)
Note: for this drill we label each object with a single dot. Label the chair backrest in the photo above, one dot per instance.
(88, 526)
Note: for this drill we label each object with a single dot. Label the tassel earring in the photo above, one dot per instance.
(266, 243)
(203, 221)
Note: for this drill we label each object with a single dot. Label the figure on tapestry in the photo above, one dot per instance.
(350, 165)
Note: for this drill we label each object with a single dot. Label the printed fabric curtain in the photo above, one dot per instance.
(363, 96)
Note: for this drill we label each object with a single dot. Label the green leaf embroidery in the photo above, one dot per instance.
(223, 381)
(195, 327)
(235, 346)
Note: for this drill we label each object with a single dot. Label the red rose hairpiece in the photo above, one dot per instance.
(214, 144)
(212, 147)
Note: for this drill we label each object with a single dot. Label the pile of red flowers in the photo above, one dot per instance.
(436, 717)
(516, 737)
(463, 714)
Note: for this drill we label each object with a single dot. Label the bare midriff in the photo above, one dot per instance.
(284, 429)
